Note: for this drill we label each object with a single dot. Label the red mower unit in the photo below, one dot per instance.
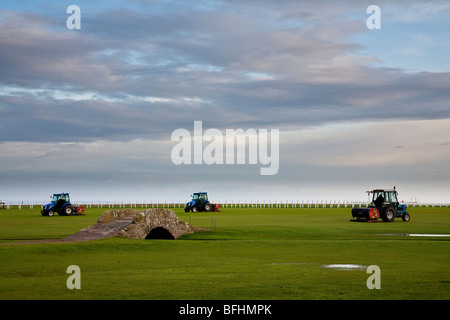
(384, 205)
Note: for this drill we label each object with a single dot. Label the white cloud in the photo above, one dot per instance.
(375, 144)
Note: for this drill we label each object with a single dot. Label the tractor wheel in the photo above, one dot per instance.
(388, 215)
(194, 209)
(51, 213)
(68, 211)
(406, 217)
(208, 207)
(186, 209)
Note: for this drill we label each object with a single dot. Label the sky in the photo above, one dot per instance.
(91, 111)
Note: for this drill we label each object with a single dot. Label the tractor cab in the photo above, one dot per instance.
(200, 197)
(59, 200)
(384, 197)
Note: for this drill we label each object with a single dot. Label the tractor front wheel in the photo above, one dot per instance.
(406, 217)
(388, 215)
(50, 213)
(194, 209)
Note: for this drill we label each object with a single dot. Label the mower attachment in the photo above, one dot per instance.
(80, 210)
(370, 214)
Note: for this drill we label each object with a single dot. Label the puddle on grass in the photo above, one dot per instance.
(288, 263)
(414, 234)
(329, 266)
(344, 266)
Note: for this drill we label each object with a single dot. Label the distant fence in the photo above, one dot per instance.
(223, 204)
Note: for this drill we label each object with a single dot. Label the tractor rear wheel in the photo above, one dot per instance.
(68, 210)
(388, 215)
(208, 207)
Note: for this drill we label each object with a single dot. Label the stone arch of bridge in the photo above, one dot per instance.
(160, 233)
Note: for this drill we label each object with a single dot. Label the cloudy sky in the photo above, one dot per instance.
(92, 111)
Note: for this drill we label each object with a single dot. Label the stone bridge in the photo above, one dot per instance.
(153, 223)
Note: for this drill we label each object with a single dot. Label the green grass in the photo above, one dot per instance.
(251, 253)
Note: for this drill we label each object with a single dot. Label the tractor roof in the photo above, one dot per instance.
(60, 194)
(382, 190)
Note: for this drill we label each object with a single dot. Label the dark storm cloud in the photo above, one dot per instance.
(230, 64)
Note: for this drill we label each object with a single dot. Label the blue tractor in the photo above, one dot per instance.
(384, 205)
(200, 202)
(61, 205)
